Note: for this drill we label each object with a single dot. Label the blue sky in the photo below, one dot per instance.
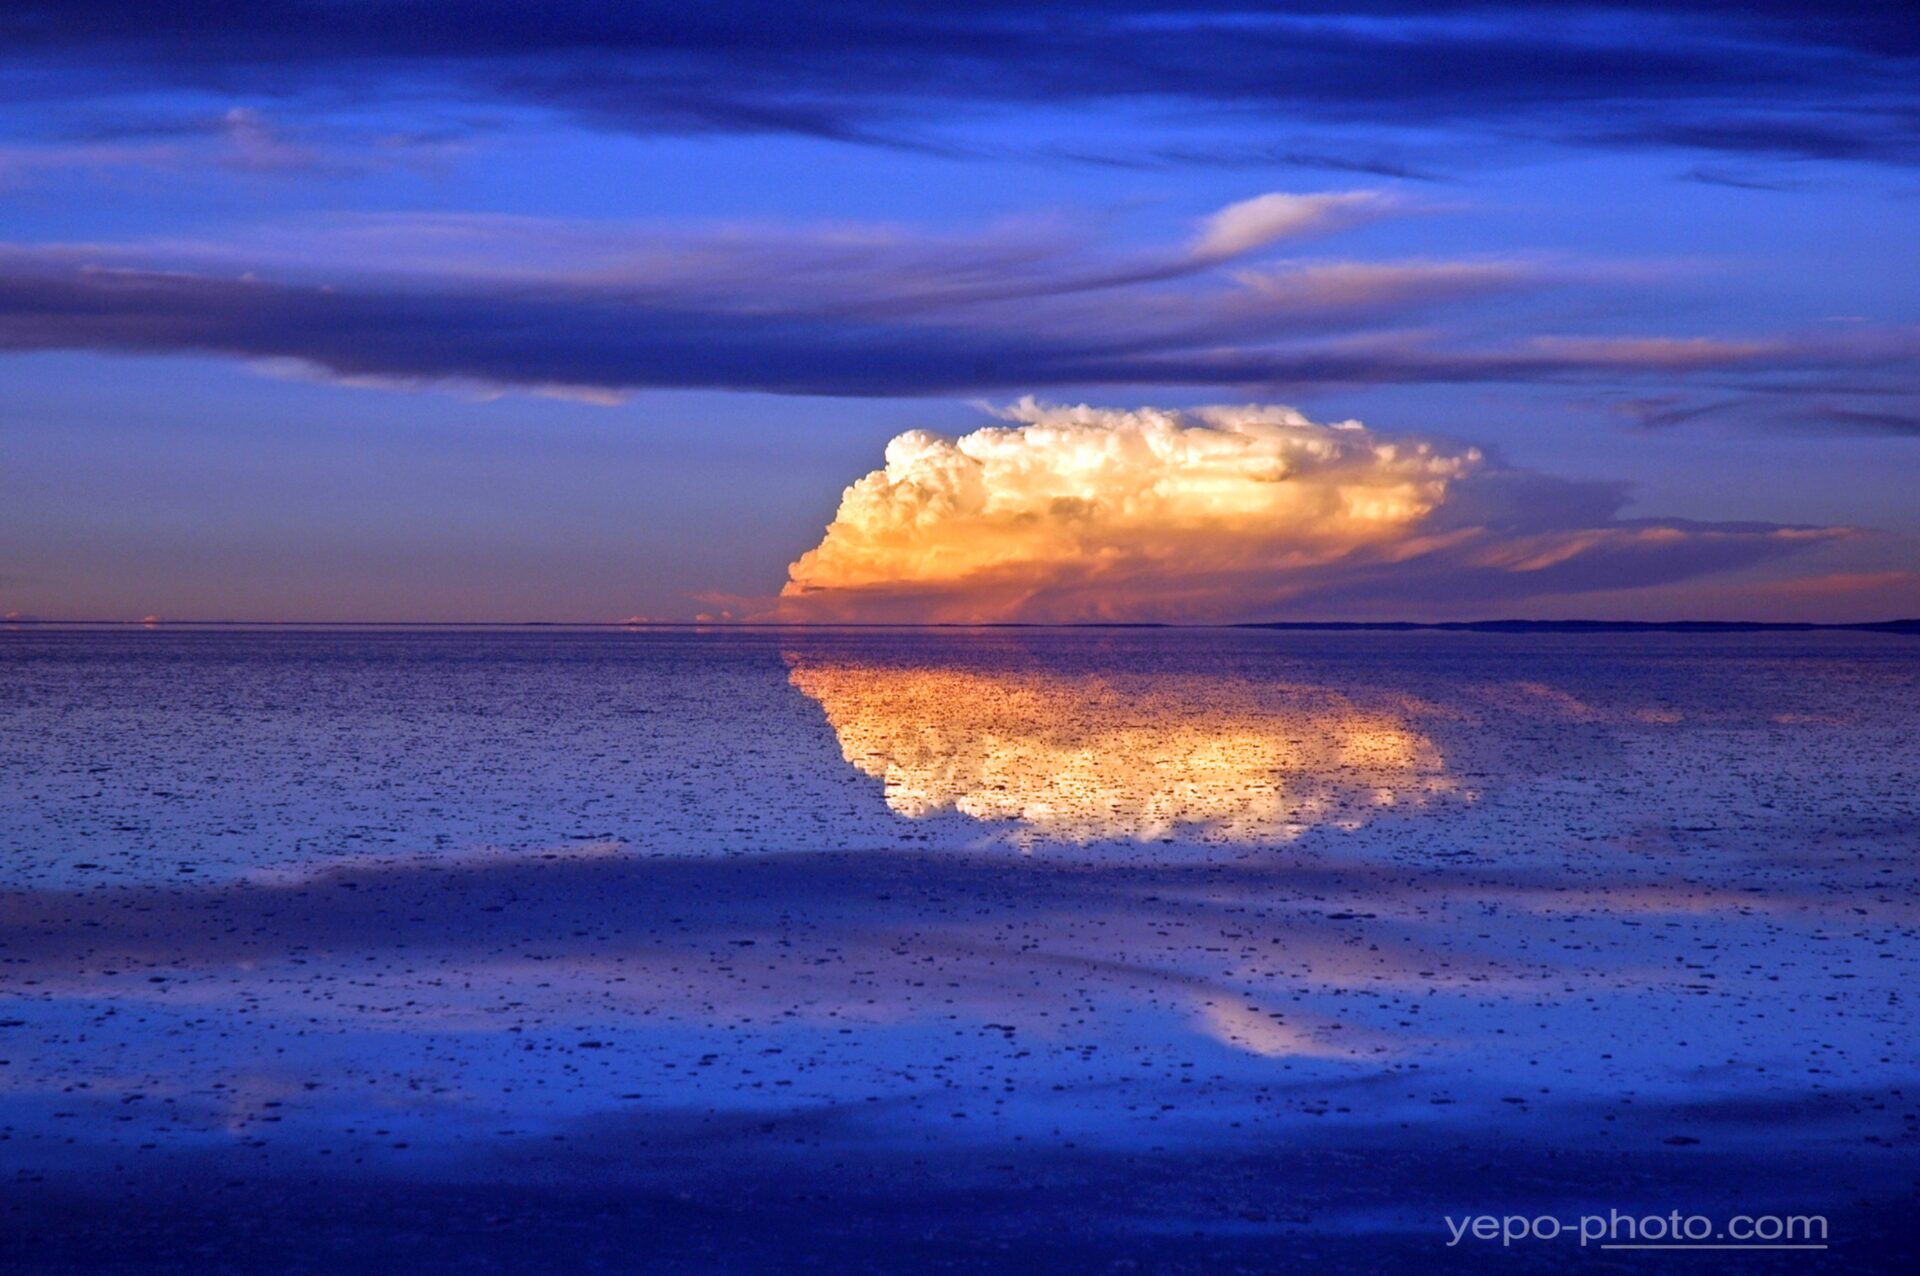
(378, 311)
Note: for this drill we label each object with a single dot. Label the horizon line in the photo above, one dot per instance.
(1903, 624)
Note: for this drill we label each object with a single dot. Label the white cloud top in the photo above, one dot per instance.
(1220, 513)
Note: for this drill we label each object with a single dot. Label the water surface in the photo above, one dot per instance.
(751, 950)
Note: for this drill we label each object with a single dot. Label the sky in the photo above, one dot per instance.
(1043, 311)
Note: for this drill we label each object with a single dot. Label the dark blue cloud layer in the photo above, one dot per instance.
(1834, 81)
(586, 336)
(802, 317)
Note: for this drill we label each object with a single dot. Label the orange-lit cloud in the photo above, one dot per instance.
(1225, 513)
(1079, 758)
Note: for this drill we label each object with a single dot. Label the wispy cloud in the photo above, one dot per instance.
(599, 309)
(1241, 228)
(240, 140)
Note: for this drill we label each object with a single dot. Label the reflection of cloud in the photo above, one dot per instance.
(302, 872)
(1270, 1035)
(1222, 513)
(1086, 758)
(422, 990)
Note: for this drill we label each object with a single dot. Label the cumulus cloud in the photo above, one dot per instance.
(1226, 513)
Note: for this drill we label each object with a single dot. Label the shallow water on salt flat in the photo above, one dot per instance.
(704, 912)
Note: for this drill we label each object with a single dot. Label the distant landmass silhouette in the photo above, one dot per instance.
(1907, 626)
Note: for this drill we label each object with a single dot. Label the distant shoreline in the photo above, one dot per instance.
(1907, 626)
(1902, 626)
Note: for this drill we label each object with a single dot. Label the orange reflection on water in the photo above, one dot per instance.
(1084, 758)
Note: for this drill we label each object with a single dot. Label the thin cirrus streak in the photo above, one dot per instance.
(1225, 513)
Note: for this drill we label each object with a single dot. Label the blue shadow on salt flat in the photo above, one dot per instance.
(994, 950)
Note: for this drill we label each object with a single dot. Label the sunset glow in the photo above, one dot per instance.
(1088, 759)
(1222, 514)
(1005, 638)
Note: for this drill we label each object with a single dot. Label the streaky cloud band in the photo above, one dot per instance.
(487, 304)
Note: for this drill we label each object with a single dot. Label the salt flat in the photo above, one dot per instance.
(753, 950)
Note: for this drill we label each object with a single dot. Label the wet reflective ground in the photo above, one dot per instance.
(999, 950)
